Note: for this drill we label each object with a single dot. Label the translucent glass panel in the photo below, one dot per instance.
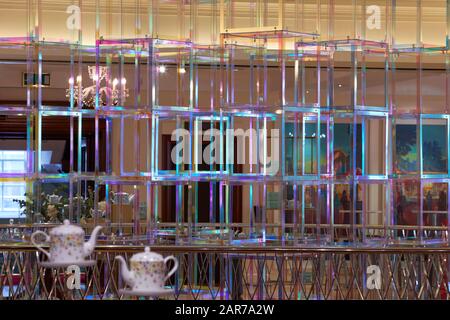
(315, 217)
(70, 144)
(301, 140)
(212, 147)
(173, 74)
(123, 208)
(343, 24)
(258, 84)
(133, 155)
(18, 63)
(63, 144)
(294, 217)
(44, 208)
(302, 15)
(343, 84)
(375, 146)
(426, 73)
(377, 20)
(317, 153)
(67, 69)
(432, 157)
(16, 144)
(206, 26)
(118, 20)
(302, 86)
(257, 145)
(207, 75)
(406, 216)
(435, 210)
(405, 150)
(347, 147)
(250, 14)
(172, 20)
(83, 201)
(10, 195)
(124, 76)
(405, 77)
(292, 85)
(424, 21)
(306, 214)
(373, 75)
(375, 210)
(172, 146)
(435, 146)
(373, 19)
(342, 211)
(406, 19)
(170, 211)
(434, 83)
(89, 15)
(270, 212)
(13, 161)
(434, 22)
(15, 18)
(60, 20)
(90, 157)
(360, 77)
(174, 88)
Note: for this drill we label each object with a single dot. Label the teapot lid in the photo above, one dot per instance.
(147, 255)
(66, 228)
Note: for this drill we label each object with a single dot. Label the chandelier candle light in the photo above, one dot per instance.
(115, 95)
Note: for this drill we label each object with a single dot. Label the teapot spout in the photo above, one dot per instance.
(127, 275)
(90, 245)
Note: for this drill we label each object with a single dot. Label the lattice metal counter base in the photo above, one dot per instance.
(220, 273)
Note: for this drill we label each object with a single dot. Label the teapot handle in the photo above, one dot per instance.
(175, 266)
(39, 246)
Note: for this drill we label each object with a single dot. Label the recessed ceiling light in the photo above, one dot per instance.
(162, 69)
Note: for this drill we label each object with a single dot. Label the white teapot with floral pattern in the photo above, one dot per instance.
(67, 243)
(148, 270)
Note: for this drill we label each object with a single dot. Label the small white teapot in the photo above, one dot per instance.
(67, 243)
(121, 197)
(148, 270)
(53, 199)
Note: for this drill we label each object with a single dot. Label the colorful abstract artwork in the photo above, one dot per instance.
(343, 147)
(434, 148)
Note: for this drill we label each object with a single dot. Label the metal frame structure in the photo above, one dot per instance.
(267, 74)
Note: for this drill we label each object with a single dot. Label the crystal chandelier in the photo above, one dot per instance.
(116, 95)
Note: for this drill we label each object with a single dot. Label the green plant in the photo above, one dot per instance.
(54, 212)
(87, 205)
(49, 212)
